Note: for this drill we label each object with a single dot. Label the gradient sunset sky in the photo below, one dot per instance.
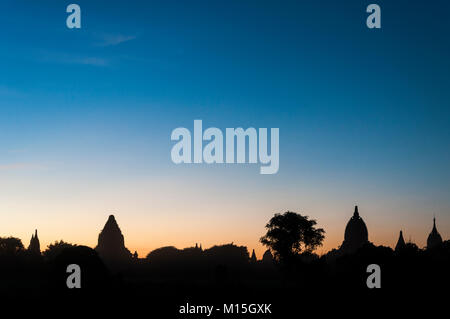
(86, 117)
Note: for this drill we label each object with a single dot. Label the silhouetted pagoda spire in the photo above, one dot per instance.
(111, 243)
(400, 243)
(253, 259)
(356, 234)
(434, 238)
(35, 246)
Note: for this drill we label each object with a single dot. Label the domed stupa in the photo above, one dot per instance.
(434, 238)
(267, 258)
(356, 234)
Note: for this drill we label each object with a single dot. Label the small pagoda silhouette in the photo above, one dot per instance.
(35, 246)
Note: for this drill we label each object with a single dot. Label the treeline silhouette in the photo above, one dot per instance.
(167, 276)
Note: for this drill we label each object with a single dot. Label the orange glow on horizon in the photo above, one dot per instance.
(157, 213)
(138, 241)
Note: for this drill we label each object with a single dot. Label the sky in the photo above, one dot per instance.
(86, 117)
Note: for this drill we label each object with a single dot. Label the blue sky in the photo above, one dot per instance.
(363, 114)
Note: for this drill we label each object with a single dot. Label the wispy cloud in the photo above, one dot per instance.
(113, 39)
(88, 61)
(18, 166)
(63, 58)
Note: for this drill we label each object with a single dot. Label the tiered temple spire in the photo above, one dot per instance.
(35, 246)
(434, 238)
(400, 243)
(111, 244)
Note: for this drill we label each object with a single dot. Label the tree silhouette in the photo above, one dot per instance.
(10, 246)
(56, 248)
(291, 234)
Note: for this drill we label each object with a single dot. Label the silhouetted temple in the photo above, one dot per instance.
(434, 238)
(356, 234)
(111, 244)
(400, 243)
(253, 257)
(267, 257)
(34, 246)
